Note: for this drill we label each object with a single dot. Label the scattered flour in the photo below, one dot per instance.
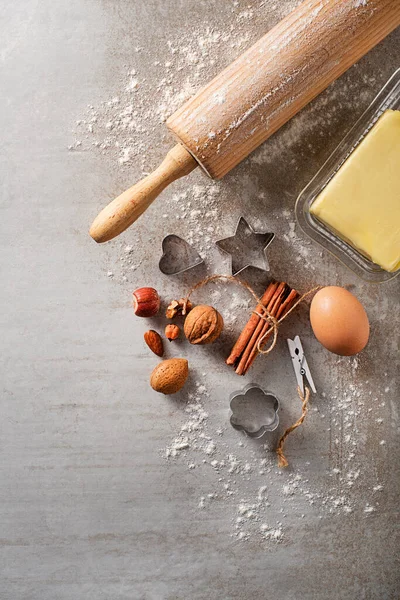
(245, 479)
(261, 514)
(120, 127)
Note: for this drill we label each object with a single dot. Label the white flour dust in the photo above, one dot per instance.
(119, 128)
(263, 499)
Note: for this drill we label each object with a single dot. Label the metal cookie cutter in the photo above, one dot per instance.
(178, 256)
(247, 248)
(254, 410)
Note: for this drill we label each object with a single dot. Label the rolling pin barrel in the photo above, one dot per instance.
(268, 84)
(254, 96)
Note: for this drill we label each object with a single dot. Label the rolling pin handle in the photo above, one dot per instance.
(126, 208)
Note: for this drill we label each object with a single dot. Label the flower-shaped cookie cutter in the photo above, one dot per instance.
(254, 410)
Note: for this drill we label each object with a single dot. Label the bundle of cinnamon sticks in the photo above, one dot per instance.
(278, 298)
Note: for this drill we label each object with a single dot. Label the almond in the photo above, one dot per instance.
(154, 342)
(170, 376)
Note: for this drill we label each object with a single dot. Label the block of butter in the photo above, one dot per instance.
(361, 203)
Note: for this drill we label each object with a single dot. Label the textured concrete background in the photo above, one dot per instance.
(89, 507)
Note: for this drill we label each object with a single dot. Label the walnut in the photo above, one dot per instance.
(203, 325)
(177, 307)
(172, 309)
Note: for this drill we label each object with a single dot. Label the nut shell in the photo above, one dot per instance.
(146, 302)
(170, 376)
(172, 332)
(178, 308)
(203, 325)
(154, 342)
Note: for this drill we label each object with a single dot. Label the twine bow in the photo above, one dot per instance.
(266, 316)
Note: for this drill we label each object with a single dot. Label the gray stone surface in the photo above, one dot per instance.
(90, 508)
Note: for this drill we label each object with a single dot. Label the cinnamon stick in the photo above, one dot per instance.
(251, 325)
(264, 326)
(277, 299)
(240, 370)
(277, 312)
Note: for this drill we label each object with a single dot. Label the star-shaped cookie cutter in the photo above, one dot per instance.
(246, 248)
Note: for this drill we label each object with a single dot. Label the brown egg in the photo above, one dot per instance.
(339, 321)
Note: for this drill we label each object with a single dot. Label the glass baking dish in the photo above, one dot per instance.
(388, 98)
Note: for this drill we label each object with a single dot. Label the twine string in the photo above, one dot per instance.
(265, 315)
(282, 461)
(275, 323)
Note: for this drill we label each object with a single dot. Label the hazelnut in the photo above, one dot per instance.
(154, 342)
(170, 376)
(146, 302)
(172, 332)
(203, 325)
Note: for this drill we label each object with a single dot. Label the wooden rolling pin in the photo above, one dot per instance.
(259, 92)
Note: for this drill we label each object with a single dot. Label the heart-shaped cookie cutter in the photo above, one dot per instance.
(254, 410)
(178, 256)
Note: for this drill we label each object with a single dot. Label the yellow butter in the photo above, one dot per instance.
(361, 203)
